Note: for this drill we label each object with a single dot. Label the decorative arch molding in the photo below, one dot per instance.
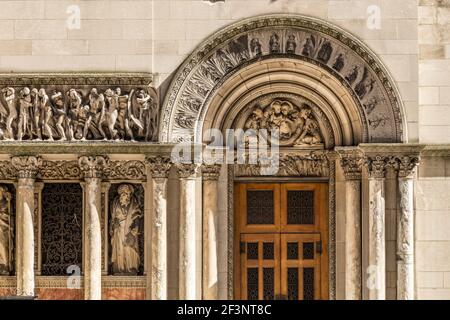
(338, 54)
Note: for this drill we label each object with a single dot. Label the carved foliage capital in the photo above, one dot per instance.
(26, 166)
(211, 172)
(187, 170)
(159, 166)
(351, 162)
(376, 165)
(406, 165)
(92, 166)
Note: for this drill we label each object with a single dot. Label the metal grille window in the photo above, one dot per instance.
(62, 209)
(300, 207)
(260, 207)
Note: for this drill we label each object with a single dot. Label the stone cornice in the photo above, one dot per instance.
(79, 78)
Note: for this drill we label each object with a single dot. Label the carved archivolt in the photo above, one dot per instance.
(338, 53)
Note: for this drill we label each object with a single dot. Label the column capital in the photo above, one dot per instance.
(92, 166)
(376, 165)
(26, 166)
(351, 163)
(159, 166)
(187, 170)
(406, 165)
(211, 172)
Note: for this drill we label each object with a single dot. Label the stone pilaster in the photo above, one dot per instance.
(210, 231)
(406, 166)
(351, 162)
(92, 168)
(159, 168)
(187, 266)
(27, 169)
(376, 166)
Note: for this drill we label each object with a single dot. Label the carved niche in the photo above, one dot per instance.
(78, 108)
(126, 229)
(7, 229)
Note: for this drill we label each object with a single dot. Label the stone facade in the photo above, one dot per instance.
(371, 75)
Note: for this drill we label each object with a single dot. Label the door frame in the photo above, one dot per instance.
(327, 229)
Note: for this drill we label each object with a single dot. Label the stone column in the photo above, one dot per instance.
(92, 168)
(159, 168)
(405, 227)
(27, 169)
(351, 162)
(376, 281)
(210, 231)
(187, 258)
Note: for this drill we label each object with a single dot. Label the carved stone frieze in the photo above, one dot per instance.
(290, 165)
(7, 171)
(78, 108)
(159, 166)
(125, 170)
(295, 37)
(59, 170)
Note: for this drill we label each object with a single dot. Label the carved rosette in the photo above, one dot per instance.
(27, 166)
(211, 172)
(159, 166)
(93, 166)
(187, 170)
(351, 162)
(376, 166)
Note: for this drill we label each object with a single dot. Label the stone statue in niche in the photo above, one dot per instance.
(352, 75)
(308, 48)
(6, 232)
(296, 126)
(365, 86)
(325, 52)
(291, 44)
(339, 63)
(256, 47)
(38, 114)
(274, 43)
(125, 231)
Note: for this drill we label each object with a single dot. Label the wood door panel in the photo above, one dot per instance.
(280, 275)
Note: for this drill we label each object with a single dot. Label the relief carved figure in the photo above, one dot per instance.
(291, 44)
(124, 231)
(38, 114)
(295, 125)
(6, 232)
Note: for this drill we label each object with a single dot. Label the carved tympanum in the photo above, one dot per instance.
(296, 126)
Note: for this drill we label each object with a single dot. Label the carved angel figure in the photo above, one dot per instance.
(125, 231)
(310, 131)
(6, 232)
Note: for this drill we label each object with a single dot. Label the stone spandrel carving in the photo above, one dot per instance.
(78, 114)
(126, 230)
(297, 126)
(6, 232)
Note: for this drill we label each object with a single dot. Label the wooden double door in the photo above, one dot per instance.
(282, 240)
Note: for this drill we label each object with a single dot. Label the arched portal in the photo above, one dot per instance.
(322, 88)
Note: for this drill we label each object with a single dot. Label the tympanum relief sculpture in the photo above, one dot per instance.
(297, 126)
(6, 232)
(126, 230)
(52, 114)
